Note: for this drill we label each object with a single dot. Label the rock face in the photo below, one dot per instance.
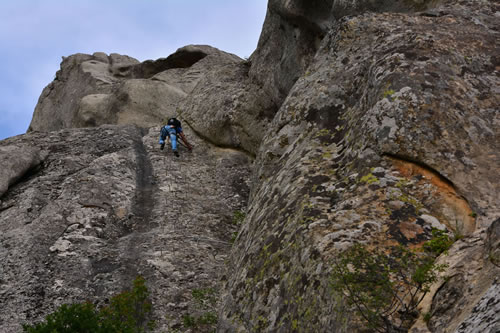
(394, 121)
(293, 31)
(367, 123)
(228, 110)
(192, 83)
(91, 90)
(15, 164)
(106, 205)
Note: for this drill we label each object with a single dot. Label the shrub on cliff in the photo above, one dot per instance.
(128, 312)
(385, 288)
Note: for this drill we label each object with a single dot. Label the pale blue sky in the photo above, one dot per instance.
(34, 34)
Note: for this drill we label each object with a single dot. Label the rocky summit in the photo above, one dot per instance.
(354, 123)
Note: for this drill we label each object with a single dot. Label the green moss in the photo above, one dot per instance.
(283, 141)
(369, 179)
(322, 132)
(327, 155)
(261, 325)
(238, 217)
(402, 183)
(388, 93)
(494, 258)
(412, 201)
(234, 237)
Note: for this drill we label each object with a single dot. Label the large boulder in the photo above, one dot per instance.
(228, 110)
(91, 90)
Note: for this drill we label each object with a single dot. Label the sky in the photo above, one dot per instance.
(35, 34)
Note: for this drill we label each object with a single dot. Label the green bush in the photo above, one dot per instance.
(81, 318)
(238, 217)
(128, 312)
(206, 318)
(385, 290)
(439, 243)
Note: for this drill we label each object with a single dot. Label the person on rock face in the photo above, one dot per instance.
(173, 128)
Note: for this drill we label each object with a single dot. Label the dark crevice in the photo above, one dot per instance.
(2, 208)
(29, 174)
(180, 59)
(424, 166)
(143, 202)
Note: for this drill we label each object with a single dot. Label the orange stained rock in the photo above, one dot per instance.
(450, 208)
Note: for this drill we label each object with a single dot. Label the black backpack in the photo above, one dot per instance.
(174, 121)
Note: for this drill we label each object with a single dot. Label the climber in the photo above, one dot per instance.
(173, 128)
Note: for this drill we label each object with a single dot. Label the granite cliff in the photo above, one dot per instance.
(353, 122)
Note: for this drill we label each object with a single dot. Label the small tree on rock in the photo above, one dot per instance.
(385, 289)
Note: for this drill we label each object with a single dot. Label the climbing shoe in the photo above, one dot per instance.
(176, 153)
(162, 146)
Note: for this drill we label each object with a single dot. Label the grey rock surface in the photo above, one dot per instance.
(372, 128)
(15, 162)
(484, 316)
(228, 110)
(466, 300)
(493, 243)
(341, 8)
(108, 205)
(390, 90)
(293, 31)
(289, 39)
(92, 90)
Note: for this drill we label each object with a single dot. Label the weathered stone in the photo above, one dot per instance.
(94, 109)
(293, 31)
(387, 126)
(377, 91)
(95, 215)
(228, 110)
(92, 90)
(15, 161)
(341, 8)
(469, 284)
(378, 172)
(433, 222)
(493, 243)
(484, 316)
(146, 102)
(290, 37)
